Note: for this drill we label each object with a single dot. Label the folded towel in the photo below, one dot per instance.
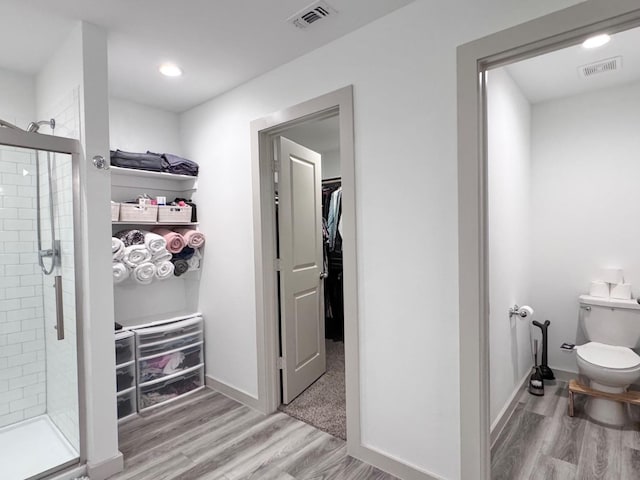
(134, 255)
(193, 238)
(144, 273)
(180, 267)
(131, 237)
(120, 272)
(185, 254)
(164, 270)
(154, 242)
(195, 261)
(117, 249)
(175, 241)
(161, 256)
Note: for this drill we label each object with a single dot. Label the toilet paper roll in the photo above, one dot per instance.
(621, 291)
(599, 289)
(612, 275)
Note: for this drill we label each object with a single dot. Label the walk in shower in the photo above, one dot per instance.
(39, 392)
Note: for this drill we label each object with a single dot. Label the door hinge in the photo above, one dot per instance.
(277, 264)
(276, 165)
(279, 363)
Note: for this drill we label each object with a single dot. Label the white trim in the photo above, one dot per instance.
(106, 468)
(508, 409)
(338, 102)
(37, 141)
(393, 465)
(551, 32)
(233, 393)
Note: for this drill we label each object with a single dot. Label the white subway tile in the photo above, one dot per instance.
(22, 359)
(9, 259)
(11, 395)
(22, 337)
(9, 351)
(23, 381)
(18, 224)
(33, 345)
(8, 213)
(23, 403)
(20, 269)
(11, 418)
(19, 292)
(39, 409)
(9, 327)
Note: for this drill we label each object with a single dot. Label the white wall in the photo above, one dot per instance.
(509, 148)
(585, 189)
(137, 128)
(17, 97)
(403, 71)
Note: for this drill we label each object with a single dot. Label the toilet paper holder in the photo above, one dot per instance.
(523, 311)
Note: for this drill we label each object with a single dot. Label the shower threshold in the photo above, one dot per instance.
(34, 447)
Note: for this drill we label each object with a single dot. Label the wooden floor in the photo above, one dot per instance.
(212, 437)
(541, 441)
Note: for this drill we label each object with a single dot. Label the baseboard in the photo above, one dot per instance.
(233, 393)
(392, 465)
(508, 409)
(106, 468)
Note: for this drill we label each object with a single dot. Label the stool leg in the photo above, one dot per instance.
(570, 403)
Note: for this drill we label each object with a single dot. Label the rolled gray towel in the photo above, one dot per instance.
(180, 267)
(131, 237)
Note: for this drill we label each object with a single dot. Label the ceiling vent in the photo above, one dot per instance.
(602, 66)
(313, 13)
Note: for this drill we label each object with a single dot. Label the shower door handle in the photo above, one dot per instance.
(59, 309)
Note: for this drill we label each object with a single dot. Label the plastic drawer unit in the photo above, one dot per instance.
(124, 347)
(169, 361)
(126, 374)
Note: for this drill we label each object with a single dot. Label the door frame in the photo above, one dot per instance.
(263, 130)
(552, 32)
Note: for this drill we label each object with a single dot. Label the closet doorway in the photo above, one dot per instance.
(309, 248)
(298, 366)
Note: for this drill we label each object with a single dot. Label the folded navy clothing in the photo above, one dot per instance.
(185, 254)
(140, 161)
(178, 165)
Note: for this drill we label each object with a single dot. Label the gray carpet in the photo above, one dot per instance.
(323, 404)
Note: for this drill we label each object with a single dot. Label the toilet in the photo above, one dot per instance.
(613, 328)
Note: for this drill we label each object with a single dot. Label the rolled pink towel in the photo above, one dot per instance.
(194, 238)
(175, 241)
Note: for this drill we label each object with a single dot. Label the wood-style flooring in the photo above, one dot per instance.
(209, 436)
(541, 442)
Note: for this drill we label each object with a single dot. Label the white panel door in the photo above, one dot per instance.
(301, 264)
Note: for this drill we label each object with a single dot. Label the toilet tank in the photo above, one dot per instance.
(611, 321)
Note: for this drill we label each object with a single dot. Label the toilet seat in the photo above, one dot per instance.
(609, 356)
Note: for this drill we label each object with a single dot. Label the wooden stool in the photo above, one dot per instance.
(631, 397)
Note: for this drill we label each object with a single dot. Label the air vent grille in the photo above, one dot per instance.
(311, 14)
(603, 66)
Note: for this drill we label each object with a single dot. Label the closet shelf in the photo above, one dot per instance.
(177, 224)
(132, 172)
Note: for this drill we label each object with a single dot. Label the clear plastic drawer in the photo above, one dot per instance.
(124, 349)
(151, 335)
(164, 364)
(152, 395)
(125, 377)
(127, 403)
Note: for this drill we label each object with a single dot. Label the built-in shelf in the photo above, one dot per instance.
(132, 172)
(179, 224)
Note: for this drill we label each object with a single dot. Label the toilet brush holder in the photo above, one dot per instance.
(547, 373)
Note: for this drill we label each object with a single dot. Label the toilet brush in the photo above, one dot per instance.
(536, 382)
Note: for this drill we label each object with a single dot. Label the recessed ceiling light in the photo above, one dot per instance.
(597, 41)
(170, 70)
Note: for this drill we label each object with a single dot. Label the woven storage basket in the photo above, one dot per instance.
(132, 212)
(115, 212)
(174, 214)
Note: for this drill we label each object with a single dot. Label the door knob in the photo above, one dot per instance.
(323, 275)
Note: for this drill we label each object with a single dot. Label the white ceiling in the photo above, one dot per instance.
(219, 44)
(555, 75)
(321, 136)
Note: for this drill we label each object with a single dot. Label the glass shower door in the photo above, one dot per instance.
(39, 414)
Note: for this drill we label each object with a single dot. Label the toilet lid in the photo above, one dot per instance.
(608, 356)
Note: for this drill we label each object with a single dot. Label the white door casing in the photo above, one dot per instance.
(301, 267)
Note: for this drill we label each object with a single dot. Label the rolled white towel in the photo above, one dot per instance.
(161, 256)
(117, 249)
(154, 242)
(135, 255)
(195, 262)
(144, 273)
(120, 272)
(164, 270)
